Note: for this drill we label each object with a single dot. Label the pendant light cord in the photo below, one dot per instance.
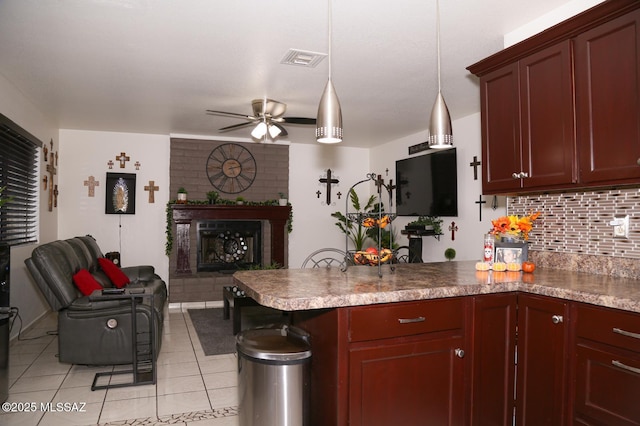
(438, 39)
(330, 33)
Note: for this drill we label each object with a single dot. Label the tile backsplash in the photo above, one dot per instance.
(578, 223)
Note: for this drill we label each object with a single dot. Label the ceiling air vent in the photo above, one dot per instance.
(302, 58)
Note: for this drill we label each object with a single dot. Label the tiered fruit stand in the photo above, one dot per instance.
(380, 220)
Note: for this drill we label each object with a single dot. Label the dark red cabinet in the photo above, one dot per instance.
(607, 366)
(561, 110)
(527, 123)
(607, 74)
(493, 354)
(542, 361)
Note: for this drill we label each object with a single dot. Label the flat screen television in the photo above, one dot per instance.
(427, 185)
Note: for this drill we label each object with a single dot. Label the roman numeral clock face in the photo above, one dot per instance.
(231, 168)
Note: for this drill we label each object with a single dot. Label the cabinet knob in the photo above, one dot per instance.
(519, 175)
(557, 319)
(638, 161)
(459, 353)
(515, 175)
(524, 174)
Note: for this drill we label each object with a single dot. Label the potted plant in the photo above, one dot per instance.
(356, 233)
(426, 222)
(182, 196)
(450, 254)
(239, 201)
(282, 201)
(212, 196)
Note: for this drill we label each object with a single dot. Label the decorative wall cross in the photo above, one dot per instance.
(51, 168)
(329, 181)
(91, 182)
(137, 164)
(152, 189)
(55, 194)
(475, 163)
(110, 164)
(480, 202)
(123, 158)
(453, 228)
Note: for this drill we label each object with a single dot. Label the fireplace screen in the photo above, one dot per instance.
(228, 245)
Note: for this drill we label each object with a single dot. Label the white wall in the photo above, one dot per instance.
(548, 20)
(468, 239)
(140, 237)
(24, 293)
(313, 226)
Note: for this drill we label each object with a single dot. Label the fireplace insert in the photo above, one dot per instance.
(229, 245)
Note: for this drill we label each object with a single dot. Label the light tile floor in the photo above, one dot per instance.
(191, 388)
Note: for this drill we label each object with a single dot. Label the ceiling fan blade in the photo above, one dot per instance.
(299, 120)
(230, 114)
(236, 126)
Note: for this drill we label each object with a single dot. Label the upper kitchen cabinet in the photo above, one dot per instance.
(527, 123)
(561, 109)
(607, 77)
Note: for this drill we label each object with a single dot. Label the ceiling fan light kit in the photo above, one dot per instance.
(329, 125)
(267, 116)
(440, 133)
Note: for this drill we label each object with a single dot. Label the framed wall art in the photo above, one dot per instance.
(511, 252)
(120, 193)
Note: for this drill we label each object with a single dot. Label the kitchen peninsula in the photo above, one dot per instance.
(438, 340)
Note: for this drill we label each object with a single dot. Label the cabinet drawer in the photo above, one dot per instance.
(405, 319)
(610, 326)
(607, 386)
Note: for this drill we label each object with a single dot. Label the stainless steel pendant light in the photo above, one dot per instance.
(440, 133)
(329, 120)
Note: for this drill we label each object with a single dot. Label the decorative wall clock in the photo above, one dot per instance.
(231, 168)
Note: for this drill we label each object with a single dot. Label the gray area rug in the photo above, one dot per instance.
(216, 334)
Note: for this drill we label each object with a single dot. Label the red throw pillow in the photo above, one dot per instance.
(85, 282)
(115, 274)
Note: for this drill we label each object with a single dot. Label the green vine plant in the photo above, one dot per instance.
(4, 200)
(356, 233)
(219, 201)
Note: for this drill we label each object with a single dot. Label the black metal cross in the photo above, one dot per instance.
(475, 163)
(480, 202)
(329, 181)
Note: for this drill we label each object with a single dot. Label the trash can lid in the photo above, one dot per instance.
(284, 343)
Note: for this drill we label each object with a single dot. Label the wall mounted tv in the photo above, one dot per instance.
(427, 185)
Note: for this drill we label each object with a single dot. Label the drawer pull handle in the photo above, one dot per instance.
(410, 320)
(626, 333)
(557, 319)
(459, 353)
(625, 367)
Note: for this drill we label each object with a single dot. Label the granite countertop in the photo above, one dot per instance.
(317, 288)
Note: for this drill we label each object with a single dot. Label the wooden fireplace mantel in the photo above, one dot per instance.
(184, 214)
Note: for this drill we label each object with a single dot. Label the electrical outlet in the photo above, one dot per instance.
(620, 226)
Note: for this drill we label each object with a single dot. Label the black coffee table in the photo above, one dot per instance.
(230, 297)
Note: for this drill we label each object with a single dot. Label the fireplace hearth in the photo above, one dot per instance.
(226, 246)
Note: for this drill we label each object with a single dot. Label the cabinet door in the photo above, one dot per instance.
(493, 354)
(541, 361)
(547, 117)
(607, 73)
(500, 108)
(408, 383)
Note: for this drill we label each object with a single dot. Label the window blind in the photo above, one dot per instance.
(19, 178)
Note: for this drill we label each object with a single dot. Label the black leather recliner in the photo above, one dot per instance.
(93, 331)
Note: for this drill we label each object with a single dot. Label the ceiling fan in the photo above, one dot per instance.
(268, 117)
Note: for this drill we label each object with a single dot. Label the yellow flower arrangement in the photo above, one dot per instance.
(513, 226)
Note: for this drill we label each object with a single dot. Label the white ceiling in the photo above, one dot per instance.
(154, 66)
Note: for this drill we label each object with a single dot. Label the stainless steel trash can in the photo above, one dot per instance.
(273, 376)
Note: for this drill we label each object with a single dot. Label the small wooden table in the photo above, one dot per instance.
(228, 296)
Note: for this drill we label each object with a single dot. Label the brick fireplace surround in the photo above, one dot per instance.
(188, 168)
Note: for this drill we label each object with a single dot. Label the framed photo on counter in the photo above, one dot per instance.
(511, 252)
